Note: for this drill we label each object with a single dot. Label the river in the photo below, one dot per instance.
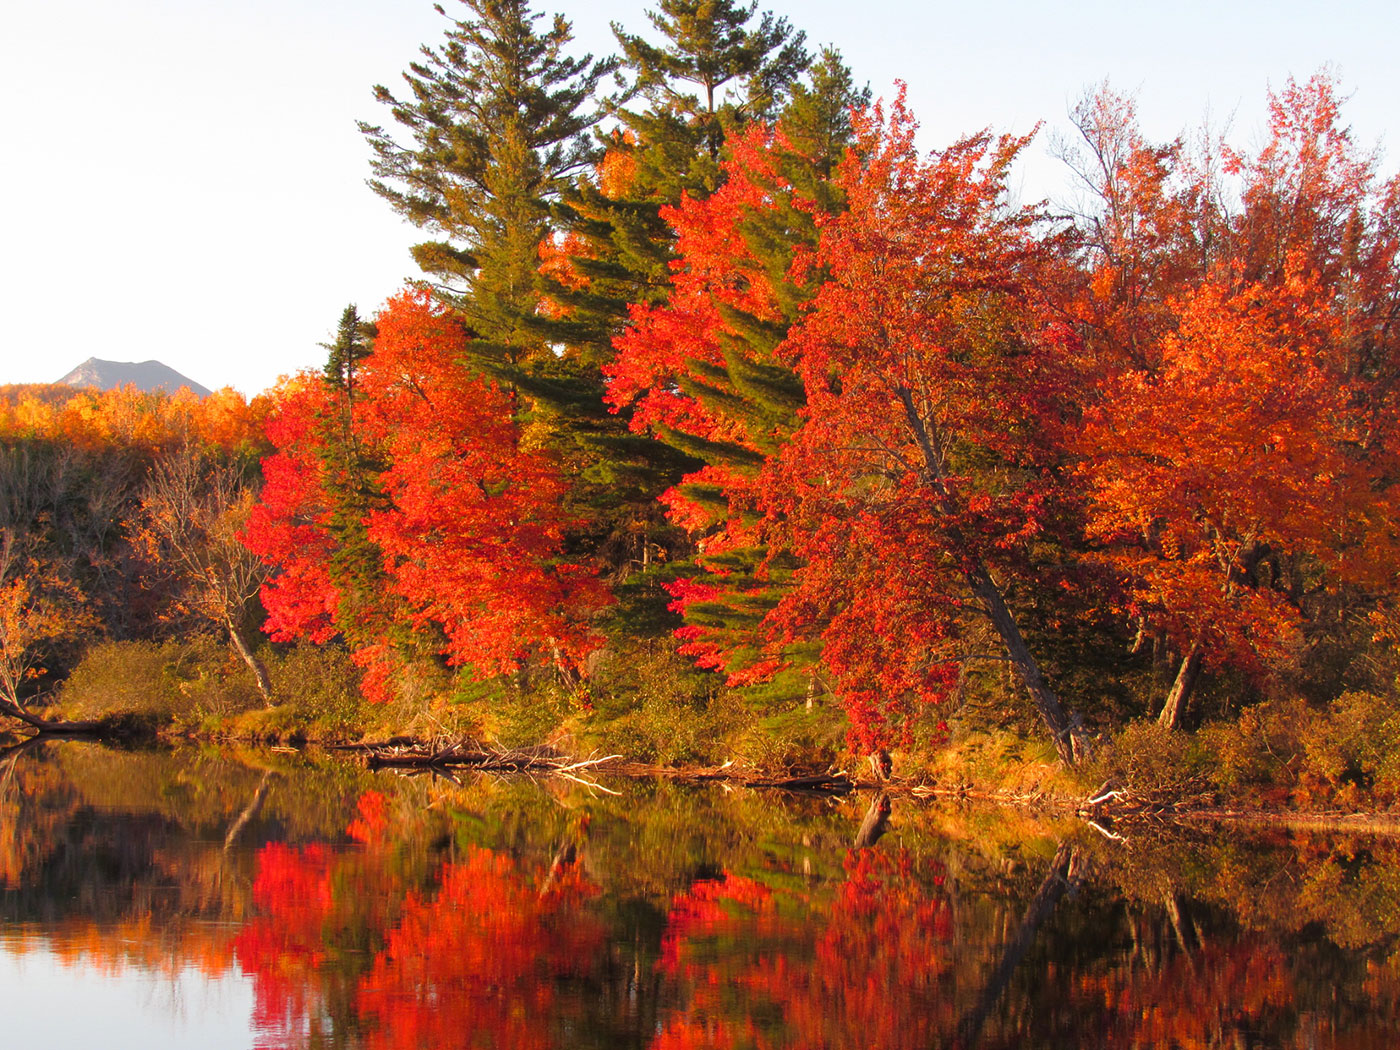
(247, 899)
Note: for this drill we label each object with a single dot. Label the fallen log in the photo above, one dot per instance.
(825, 783)
(477, 757)
(49, 727)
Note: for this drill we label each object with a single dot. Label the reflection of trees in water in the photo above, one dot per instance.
(425, 914)
(486, 961)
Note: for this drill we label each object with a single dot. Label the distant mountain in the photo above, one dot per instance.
(147, 375)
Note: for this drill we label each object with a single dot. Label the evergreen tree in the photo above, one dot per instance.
(718, 67)
(702, 370)
(716, 71)
(350, 485)
(498, 122)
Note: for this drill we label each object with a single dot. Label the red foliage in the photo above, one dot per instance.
(867, 967)
(922, 455)
(476, 965)
(475, 525)
(469, 532)
(287, 527)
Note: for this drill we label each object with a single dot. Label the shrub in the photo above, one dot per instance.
(143, 682)
(1260, 749)
(1158, 764)
(1354, 746)
(317, 687)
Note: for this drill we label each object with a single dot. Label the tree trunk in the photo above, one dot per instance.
(1066, 872)
(1066, 730)
(254, 664)
(43, 725)
(1182, 688)
(881, 765)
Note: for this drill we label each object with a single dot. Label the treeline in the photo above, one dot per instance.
(722, 364)
(728, 342)
(119, 513)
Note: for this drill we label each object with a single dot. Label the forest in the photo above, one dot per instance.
(727, 423)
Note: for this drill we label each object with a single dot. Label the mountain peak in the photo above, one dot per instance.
(144, 375)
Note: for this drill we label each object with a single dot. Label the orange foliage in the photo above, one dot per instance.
(129, 418)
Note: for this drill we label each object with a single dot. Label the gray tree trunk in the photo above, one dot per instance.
(1182, 688)
(250, 658)
(1071, 744)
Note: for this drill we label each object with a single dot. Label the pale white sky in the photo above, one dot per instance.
(183, 180)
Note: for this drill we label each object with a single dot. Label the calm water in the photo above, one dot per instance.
(217, 899)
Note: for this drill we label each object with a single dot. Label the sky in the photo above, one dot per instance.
(183, 180)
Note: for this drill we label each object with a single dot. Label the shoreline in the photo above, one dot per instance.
(411, 756)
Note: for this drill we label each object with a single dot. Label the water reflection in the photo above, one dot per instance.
(300, 904)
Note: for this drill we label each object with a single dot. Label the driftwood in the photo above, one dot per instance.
(406, 753)
(441, 759)
(823, 784)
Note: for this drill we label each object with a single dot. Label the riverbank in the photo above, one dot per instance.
(1273, 758)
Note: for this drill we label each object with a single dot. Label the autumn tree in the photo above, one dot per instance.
(193, 510)
(918, 480)
(464, 525)
(700, 369)
(474, 529)
(287, 527)
(1232, 451)
(40, 608)
(1138, 221)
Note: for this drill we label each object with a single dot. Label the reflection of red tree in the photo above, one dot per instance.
(285, 947)
(321, 913)
(859, 969)
(709, 908)
(371, 826)
(478, 965)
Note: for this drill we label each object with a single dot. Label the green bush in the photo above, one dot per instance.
(1354, 746)
(145, 682)
(318, 688)
(199, 685)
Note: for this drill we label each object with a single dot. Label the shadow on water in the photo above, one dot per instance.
(379, 911)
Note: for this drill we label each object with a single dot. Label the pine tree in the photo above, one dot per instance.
(717, 69)
(716, 72)
(350, 472)
(498, 122)
(702, 369)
